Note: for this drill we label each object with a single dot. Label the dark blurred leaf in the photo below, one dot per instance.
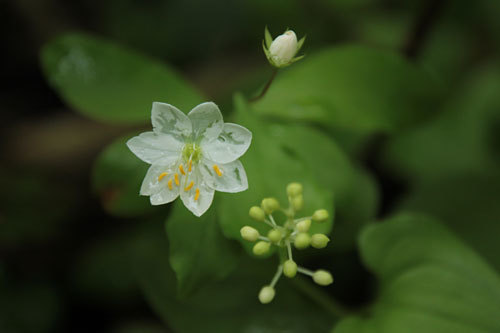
(430, 281)
(352, 87)
(269, 167)
(199, 253)
(355, 192)
(110, 83)
(452, 163)
(117, 178)
(230, 305)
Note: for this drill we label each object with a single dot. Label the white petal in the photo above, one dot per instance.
(166, 195)
(197, 204)
(155, 148)
(232, 142)
(167, 119)
(233, 177)
(207, 122)
(151, 183)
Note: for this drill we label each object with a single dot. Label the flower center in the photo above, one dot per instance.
(191, 152)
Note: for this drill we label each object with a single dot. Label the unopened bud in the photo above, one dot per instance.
(322, 277)
(294, 189)
(319, 241)
(303, 226)
(261, 248)
(302, 241)
(283, 48)
(297, 202)
(290, 268)
(269, 205)
(250, 234)
(266, 294)
(321, 215)
(274, 235)
(257, 213)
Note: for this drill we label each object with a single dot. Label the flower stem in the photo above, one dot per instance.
(266, 87)
(319, 297)
(277, 276)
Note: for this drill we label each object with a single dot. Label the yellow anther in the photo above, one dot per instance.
(187, 188)
(190, 165)
(162, 175)
(217, 170)
(197, 195)
(176, 178)
(170, 184)
(181, 169)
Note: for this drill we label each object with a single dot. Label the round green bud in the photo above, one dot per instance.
(319, 241)
(261, 248)
(250, 234)
(274, 235)
(302, 241)
(266, 294)
(321, 215)
(322, 277)
(297, 202)
(294, 189)
(290, 268)
(269, 205)
(303, 226)
(257, 213)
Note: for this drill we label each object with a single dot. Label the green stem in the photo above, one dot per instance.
(319, 297)
(266, 87)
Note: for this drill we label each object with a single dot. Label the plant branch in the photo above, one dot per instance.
(266, 87)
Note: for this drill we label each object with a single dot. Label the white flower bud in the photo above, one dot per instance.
(322, 277)
(257, 213)
(261, 248)
(266, 294)
(294, 189)
(319, 241)
(274, 235)
(283, 48)
(321, 215)
(250, 234)
(269, 205)
(302, 241)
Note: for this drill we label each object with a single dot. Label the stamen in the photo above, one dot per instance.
(181, 169)
(187, 188)
(176, 178)
(190, 165)
(162, 175)
(197, 195)
(217, 170)
(170, 184)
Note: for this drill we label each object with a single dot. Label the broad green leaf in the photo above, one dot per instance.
(352, 87)
(199, 253)
(356, 195)
(429, 281)
(111, 83)
(229, 305)
(117, 177)
(269, 167)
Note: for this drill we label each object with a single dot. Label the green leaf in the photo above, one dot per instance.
(229, 305)
(352, 87)
(269, 167)
(199, 253)
(107, 82)
(117, 177)
(356, 195)
(268, 39)
(429, 281)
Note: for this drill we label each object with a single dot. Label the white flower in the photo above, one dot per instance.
(191, 155)
(281, 51)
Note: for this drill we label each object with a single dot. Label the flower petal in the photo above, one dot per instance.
(207, 122)
(230, 177)
(155, 148)
(167, 119)
(166, 195)
(157, 178)
(232, 142)
(199, 197)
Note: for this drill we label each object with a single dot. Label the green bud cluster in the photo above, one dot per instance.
(291, 232)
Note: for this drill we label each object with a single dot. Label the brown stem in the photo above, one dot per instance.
(266, 87)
